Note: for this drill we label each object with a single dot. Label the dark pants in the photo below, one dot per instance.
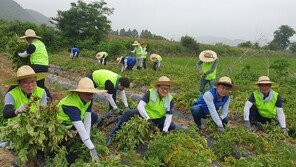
(198, 114)
(255, 116)
(41, 83)
(127, 115)
(105, 61)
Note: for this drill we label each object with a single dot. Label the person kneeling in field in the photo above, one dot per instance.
(26, 96)
(264, 105)
(102, 57)
(127, 62)
(210, 102)
(156, 107)
(156, 59)
(77, 107)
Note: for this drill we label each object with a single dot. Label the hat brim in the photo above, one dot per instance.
(119, 60)
(88, 90)
(273, 84)
(14, 81)
(99, 56)
(233, 86)
(22, 37)
(205, 59)
(168, 83)
(135, 44)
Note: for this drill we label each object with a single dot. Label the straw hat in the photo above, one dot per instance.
(164, 80)
(30, 33)
(153, 57)
(265, 80)
(25, 72)
(87, 85)
(226, 80)
(99, 55)
(119, 59)
(136, 43)
(207, 56)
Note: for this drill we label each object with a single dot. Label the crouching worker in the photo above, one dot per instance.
(111, 82)
(156, 107)
(264, 105)
(156, 59)
(211, 101)
(127, 62)
(76, 109)
(17, 100)
(102, 57)
(25, 96)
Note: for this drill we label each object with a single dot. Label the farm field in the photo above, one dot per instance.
(236, 147)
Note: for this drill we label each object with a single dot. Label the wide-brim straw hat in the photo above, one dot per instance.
(153, 57)
(164, 80)
(25, 72)
(30, 33)
(86, 85)
(99, 55)
(265, 80)
(136, 43)
(119, 59)
(207, 56)
(227, 81)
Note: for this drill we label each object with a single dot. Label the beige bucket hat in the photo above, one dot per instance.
(86, 85)
(207, 56)
(25, 72)
(226, 80)
(164, 80)
(265, 80)
(119, 59)
(100, 55)
(30, 33)
(136, 43)
(153, 57)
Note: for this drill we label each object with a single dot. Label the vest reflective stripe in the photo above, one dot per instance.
(73, 100)
(206, 66)
(138, 51)
(217, 102)
(266, 109)
(101, 76)
(20, 98)
(156, 109)
(40, 55)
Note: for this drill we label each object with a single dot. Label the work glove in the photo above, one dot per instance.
(253, 128)
(22, 108)
(116, 111)
(221, 129)
(94, 155)
(247, 124)
(284, 131)
(127, 108)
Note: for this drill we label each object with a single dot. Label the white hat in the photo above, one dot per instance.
(265, 80)
(207, 56)
(136, 43)
(30, 33)
(25, 72)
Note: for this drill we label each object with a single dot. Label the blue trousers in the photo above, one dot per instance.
(198, 114)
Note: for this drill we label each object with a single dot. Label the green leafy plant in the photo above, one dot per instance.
(132, 133)
(32, 132)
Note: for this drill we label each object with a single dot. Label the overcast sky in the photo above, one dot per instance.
(233, 19)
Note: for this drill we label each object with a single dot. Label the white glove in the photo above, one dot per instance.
(22, 108)
(94, 155)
